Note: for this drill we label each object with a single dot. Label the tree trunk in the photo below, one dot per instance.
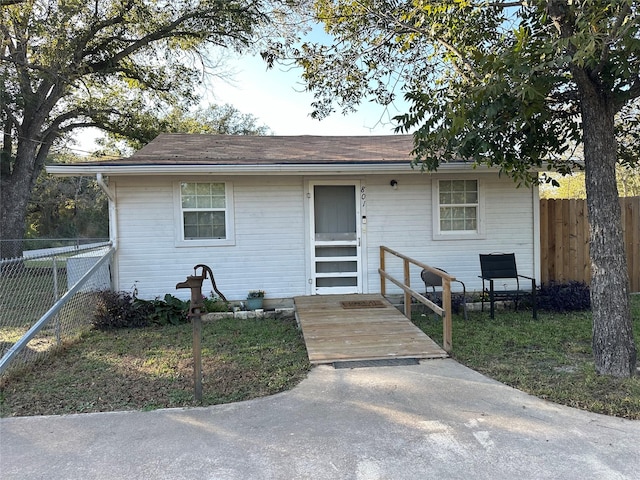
(15, 192)
(614, 348)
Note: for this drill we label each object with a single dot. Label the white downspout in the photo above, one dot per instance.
(105, 188)
(113, 222)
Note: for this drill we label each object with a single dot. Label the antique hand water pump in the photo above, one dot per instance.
(196, 307)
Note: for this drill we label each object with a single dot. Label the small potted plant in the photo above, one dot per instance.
(254, 299)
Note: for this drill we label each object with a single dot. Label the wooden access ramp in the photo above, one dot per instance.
(343, 328)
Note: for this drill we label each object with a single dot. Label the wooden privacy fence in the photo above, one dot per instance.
(564, 240)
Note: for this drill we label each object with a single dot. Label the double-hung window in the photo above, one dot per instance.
(458, 209)
(205, 213)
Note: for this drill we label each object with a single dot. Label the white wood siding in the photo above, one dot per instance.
(270, 223)
(402, 219)
(269, 240)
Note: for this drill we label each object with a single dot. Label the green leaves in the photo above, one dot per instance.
(68, 207)
(493, 84)
(73, 61)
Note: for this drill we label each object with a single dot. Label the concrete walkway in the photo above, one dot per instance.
(437, 420)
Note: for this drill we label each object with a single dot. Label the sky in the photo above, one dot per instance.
(276, 97)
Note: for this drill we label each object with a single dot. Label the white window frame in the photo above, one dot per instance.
(438, 234)
(180, 241)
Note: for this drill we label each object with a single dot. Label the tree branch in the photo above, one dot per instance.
(559, 12)
(612, 37)
(439, 40)
(507, 4)
(166, 31)
(93, 32)
(72, 126)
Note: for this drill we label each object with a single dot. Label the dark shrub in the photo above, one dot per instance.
(119, 310)
(170, 310)
(215, 304)
(564, 297)
(123, 310)
(457, 301)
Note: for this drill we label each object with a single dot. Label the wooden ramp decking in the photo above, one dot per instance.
(341, 328)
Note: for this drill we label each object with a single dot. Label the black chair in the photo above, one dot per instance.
(433, 280)
(503, 266)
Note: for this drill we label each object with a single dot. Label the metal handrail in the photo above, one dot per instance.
(50, 252)
(405, 285)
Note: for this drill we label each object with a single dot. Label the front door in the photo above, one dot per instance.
(336, 265)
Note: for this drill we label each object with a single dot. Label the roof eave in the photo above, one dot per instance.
(69, 170)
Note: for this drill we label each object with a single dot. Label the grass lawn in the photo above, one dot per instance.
(149, 368)
(550, 358)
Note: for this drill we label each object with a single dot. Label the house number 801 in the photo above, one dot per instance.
(363, 196)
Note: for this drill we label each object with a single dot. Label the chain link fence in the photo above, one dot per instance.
(33, 247)
(47, 298)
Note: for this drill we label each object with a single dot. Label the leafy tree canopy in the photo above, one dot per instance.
(67, 64)
(67, 207)
(108, 63)
(487, 81)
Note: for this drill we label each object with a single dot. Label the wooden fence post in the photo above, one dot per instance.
(383, 289)
(407, 295)
(447, 324)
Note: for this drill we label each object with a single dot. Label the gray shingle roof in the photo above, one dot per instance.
(196, 149)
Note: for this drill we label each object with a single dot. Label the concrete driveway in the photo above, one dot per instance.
(437, 420)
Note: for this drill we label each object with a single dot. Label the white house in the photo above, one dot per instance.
(302, 215)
